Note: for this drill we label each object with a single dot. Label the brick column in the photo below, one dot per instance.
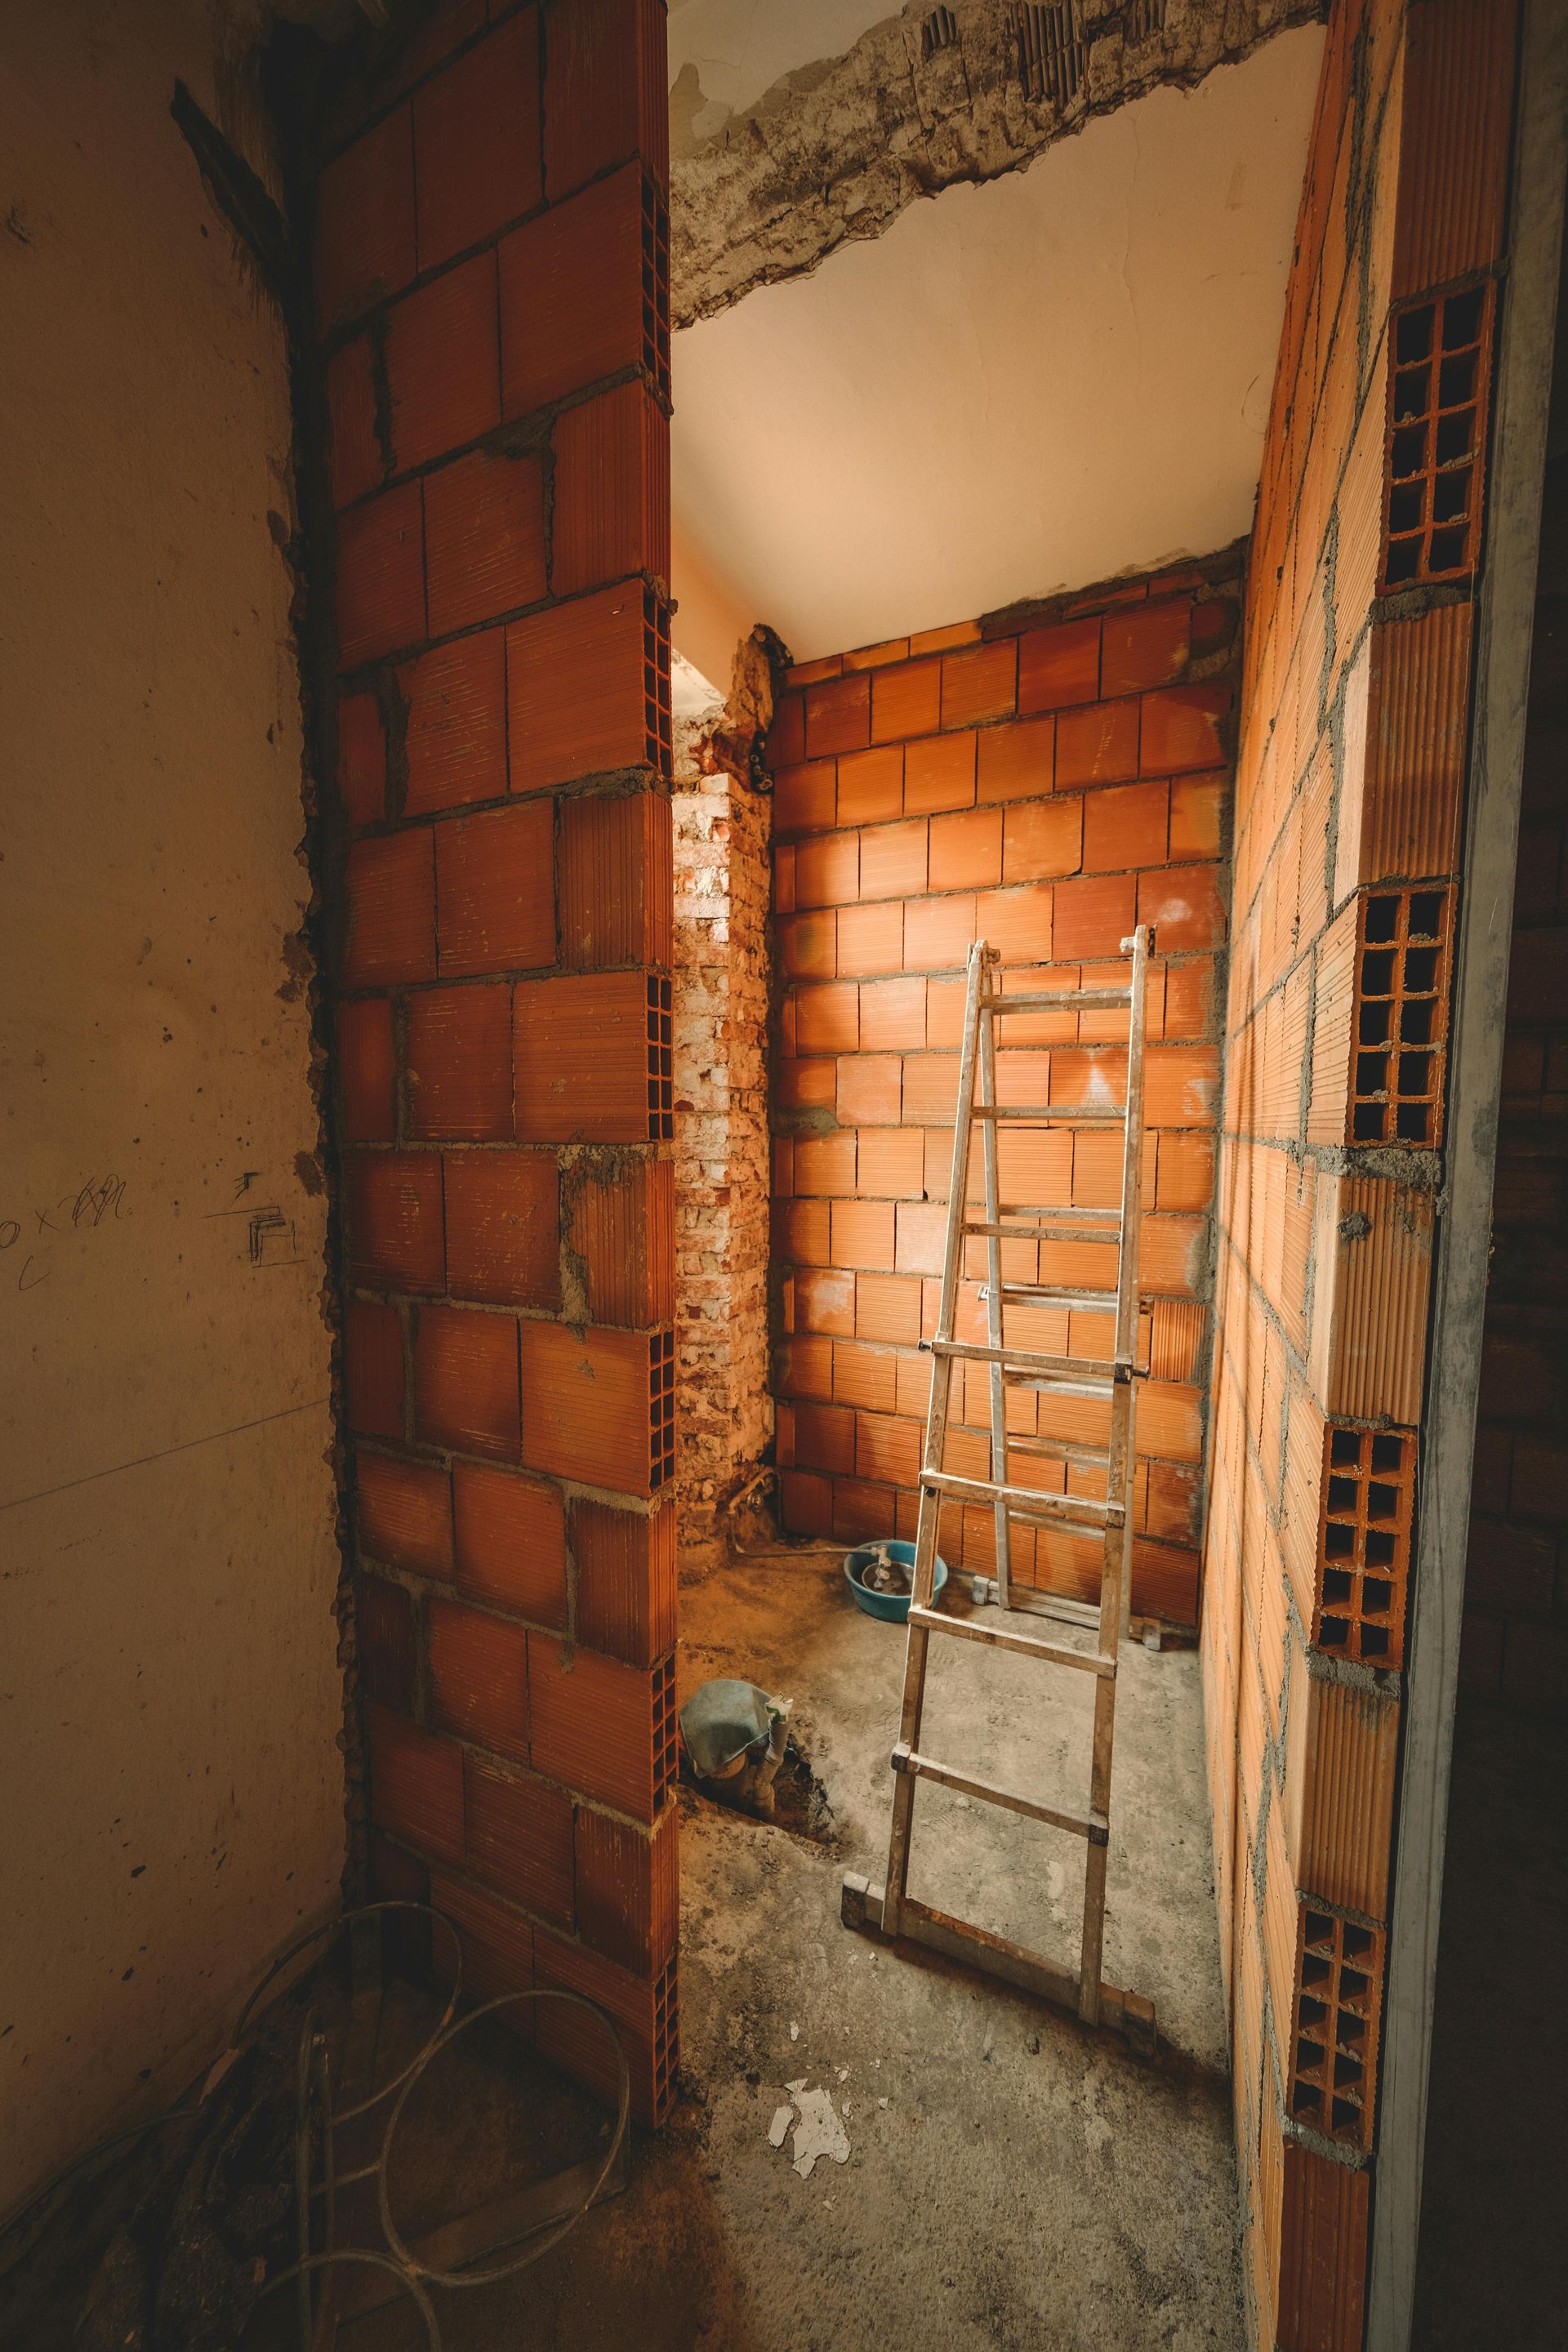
(491, 291)
(1356, 711)
(722, 829)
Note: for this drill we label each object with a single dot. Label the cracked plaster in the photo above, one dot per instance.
(832, 151)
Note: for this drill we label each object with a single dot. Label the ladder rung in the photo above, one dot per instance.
(1026, 1502)
(1033, 1233)
(1065, 1000)
(1096, 1301)
(1054, 1114)
(1058, 1384)
(1027, 1603)
(1056, 1449)
(1092, 1826)
(1075, 1216)
(1003, 1637)
(1025, 1359)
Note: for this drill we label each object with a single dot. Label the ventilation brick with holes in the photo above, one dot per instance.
(666, 2040)
(1401, 1017)
(1050, 52)
(1143, 19)
(657, 722)
(1339, 1999)
(656, 287)
(660, 1062)
(1440, 365)
(660, 1410)
(1364, 1546)
(665, 1758)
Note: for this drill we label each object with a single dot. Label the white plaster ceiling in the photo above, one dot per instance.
(1018, 388)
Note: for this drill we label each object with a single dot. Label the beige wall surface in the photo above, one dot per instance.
(169, 1696)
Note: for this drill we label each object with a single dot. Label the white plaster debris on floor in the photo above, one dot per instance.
(818, 2129)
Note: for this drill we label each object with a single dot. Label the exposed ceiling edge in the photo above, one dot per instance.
(1224, 567)
(923, 101)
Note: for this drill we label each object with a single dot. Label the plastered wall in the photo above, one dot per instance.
(169, 1696)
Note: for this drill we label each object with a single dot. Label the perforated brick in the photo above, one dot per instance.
(611, 511)
(656, 285)
(1363, 1543)
(660, 1062)
(595, 1059)
(661, 1410)
(626, 1564)
(367, 1071)
(664, 1763)
(584, 266)
(416, 1784)
(1439, 372)
(614, 880)
(627, 1889)
(1339, 2001)
(604, 91)
(598, 1405)
(1401, 1021)
(659, 723)
(477, 140)
(666, 2038)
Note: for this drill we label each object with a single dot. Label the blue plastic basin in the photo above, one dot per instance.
(894, 1606)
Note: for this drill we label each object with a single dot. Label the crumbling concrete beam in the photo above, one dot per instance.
(924, 101)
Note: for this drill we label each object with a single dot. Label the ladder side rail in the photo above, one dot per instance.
(924, 1582)
(1127, 1302)
(1116, 1568)
(987, 1094)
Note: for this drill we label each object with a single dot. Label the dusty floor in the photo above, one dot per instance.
(1012, 2182)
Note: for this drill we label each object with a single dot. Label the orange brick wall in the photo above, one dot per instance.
(1356, 714)
(1043, 781)
(490, 274)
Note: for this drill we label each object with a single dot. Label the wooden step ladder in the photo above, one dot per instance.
(891, 1907)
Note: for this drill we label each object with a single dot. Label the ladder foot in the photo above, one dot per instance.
(852, 1899)
(1138, 2027)
(1126, 2013)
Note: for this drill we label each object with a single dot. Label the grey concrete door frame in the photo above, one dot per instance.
(1506, 618)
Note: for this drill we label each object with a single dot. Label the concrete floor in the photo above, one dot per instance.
(1013, 2183)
